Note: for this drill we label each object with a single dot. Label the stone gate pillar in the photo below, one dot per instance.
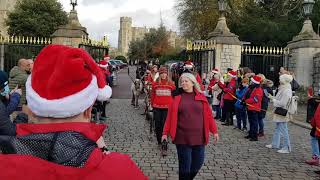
(302, 50)
(70, 34)
(228, 46)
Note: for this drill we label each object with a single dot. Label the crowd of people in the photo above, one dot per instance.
(54, 138)
(46, 116)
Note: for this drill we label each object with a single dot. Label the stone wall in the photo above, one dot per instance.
(227, 56)
(301, 63)
(316, 73)
(5, 7)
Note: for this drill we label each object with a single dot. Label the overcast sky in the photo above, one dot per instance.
(102, 17)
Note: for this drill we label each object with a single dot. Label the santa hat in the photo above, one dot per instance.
(65, 82)
(188, 64)
(233, 74)
(106, 57)
(256, 79)
(215, 71)
(103, 64)
(163, 70)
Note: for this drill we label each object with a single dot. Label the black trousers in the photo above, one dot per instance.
(228, 111)
(160, 116)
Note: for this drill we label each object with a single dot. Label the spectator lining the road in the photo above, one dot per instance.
(314, 138)
(240, 109)
(252, 99)
(62, 145)
(188, 123)
(281, 100)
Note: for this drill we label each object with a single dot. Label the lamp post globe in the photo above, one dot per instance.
(74, 3)
(222, 5)
(307, 8)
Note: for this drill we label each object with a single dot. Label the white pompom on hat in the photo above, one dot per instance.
(65, 82)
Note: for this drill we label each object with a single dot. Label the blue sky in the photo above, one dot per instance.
(102, 17)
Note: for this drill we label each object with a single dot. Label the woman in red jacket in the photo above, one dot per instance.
(189, 122)
(160, 99)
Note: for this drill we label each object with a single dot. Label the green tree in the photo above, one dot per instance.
(154, 45)
(263, 22)
(37, 18)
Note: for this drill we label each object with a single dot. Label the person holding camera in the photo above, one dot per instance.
(281, 115)
(188, 123)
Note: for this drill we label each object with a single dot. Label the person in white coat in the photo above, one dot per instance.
(282, 100)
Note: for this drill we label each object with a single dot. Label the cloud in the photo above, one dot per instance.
(102, 17)
(113, 3)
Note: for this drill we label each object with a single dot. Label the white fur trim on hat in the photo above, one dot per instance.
(64, 107)
(254, 81)
(103, 66)
(215, 72)
(231, 75)
(188, 66)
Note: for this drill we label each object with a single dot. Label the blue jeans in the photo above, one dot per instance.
(315, 146)
(281, 130)
(261, 123)
(217, 109)
(253, 122)
(190, 158)
(241, 115)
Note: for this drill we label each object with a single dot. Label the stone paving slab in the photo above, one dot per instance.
(232, 158)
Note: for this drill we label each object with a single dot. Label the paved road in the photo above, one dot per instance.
(232, 158)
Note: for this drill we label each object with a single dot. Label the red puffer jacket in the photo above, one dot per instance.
(161, 94)
(315, 122)
(98, 166)
(229, 90)
(170, 126)
(255, 99)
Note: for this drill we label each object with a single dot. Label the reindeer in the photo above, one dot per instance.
(136, 89)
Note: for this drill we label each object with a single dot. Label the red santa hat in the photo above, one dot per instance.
(65, 82)
(103, 64)
(188, 64)
(256, 79)
(106, 57)
(215, 71)
(233, 74)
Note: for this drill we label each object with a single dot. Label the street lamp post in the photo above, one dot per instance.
(307, 8)
(74, 4)
(222, 7)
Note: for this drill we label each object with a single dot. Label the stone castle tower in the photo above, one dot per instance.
(127, 33)
(5, 7)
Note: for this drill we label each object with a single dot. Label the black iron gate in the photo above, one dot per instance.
(97, 52)
(14, 52)
(203, 55)
(265, 61)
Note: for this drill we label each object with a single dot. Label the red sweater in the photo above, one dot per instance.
(161, 94)
(212, 83)
(170, 126)
(228, 89)
(255, 99)
(99, 166)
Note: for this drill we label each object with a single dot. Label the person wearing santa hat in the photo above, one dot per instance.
(104, 65)
(64, 84)
(252, 99)
(228, 100)
(161, 98)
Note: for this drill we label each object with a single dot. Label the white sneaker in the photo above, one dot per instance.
(283, 151)
(269, 146)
